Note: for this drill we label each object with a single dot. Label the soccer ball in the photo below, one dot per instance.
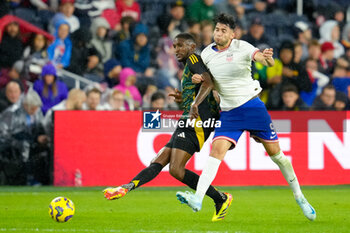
(61, 209)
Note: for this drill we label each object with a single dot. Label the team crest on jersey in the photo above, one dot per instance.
(229, 57)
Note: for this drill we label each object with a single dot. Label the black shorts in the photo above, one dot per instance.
(189, 139)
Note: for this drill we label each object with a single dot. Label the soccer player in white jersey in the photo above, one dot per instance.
(229, 61)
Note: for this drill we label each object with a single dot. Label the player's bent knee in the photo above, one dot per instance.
(176, 172)
(218, 153)
(219, 149)
(272, 148)
(273, 152)
(163, 156)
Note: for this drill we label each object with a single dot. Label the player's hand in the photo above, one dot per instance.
(197, 78)
(267, 53)
(177, 95)
(194, 112)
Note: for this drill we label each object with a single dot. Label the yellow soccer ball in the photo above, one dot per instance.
(61, 209)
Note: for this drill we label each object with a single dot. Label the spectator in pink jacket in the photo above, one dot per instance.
(126, 85)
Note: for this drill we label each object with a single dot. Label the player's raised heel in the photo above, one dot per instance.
(115, 193)
(307, 209)
(221, 209)
(189, 199)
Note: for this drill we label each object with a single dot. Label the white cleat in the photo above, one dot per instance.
(189, 199)
(307, 209)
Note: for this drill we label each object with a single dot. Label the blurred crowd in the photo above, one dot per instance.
(124, 48)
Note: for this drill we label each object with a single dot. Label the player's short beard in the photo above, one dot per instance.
(222, 44)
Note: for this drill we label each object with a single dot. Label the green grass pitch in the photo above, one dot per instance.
(254, 209)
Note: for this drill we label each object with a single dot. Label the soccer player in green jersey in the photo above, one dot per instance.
(187, 139)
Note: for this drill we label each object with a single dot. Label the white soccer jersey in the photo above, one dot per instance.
(231, 69)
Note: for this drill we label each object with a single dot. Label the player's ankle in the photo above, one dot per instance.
(130, 186)
(222, 199)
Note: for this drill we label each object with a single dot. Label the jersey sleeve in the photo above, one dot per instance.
(196, 65)
(204, 55)
(249, 49)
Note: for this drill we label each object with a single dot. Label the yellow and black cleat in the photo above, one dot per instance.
(221, 211)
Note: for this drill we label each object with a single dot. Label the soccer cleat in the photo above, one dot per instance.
(189, 199)
(115, 193)
(307, 209)
(222, 208)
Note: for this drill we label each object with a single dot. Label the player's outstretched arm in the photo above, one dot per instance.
(204, 90)
(265, 57)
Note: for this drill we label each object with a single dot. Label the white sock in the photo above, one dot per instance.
(288, 172)
(207, 176)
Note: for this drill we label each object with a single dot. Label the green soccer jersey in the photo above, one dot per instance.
(209, 108)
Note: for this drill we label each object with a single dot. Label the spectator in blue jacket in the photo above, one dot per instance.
(341, 79)
(50, 90)
(112, 70)
(60, 50)
(134, 52)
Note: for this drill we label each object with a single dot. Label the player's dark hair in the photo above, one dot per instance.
(225, 19)
(186, 36)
